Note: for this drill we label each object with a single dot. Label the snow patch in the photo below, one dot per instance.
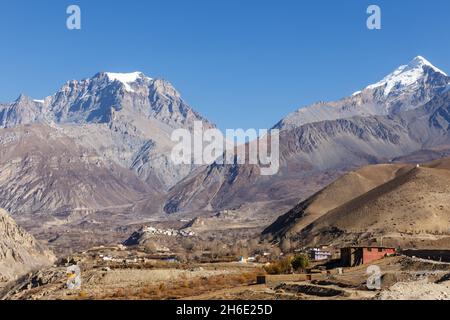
(38, 101)
(126, 78)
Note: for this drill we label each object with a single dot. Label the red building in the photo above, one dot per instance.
(354, 256)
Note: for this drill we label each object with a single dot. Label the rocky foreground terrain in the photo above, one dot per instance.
(120, 274)
(19, 251)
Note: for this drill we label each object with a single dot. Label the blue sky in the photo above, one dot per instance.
(239, 63)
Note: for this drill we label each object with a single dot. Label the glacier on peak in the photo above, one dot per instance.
(405, 75)
(126, 78)
(408, 87)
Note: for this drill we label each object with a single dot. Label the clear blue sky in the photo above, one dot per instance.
(241, 63)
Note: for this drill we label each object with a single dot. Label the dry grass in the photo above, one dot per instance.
(183, 288)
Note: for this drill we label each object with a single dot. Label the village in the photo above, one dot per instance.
(186, 261)
(131, 271)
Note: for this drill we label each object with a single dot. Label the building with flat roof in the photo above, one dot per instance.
(317, 254)
(354, 256)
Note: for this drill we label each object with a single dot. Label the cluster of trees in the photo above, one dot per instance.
(288, 264)
(219, 249)
(227, 248)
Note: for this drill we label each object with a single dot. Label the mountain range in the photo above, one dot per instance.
(406, 88)
(102, 145)
(405, 113)
(96, 143)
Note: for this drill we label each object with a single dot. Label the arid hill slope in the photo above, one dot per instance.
(336, 194)
(412, 208)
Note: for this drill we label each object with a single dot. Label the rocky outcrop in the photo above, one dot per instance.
(19, 251)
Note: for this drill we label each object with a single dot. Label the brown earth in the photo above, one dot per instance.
(399, 205)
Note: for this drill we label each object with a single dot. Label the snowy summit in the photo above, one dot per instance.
(405, 75)
(126, 78)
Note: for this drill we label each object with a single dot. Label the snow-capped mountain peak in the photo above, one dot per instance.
(408, 87)
(420, 61)
(126, 78)
(406, 75)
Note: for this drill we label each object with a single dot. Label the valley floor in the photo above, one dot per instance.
(401, 278)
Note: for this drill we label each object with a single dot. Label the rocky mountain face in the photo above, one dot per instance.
(19, 251)
(403, 114)
(97, 143)
(126, 118)
(97, 99)
(23, 111)
(44, 171)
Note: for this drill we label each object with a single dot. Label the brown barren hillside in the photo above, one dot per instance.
(411, 209)
(344, 189)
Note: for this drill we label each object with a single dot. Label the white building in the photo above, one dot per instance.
(318, 254)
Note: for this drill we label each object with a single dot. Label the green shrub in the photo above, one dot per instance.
(282, 266)
(300, 262)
